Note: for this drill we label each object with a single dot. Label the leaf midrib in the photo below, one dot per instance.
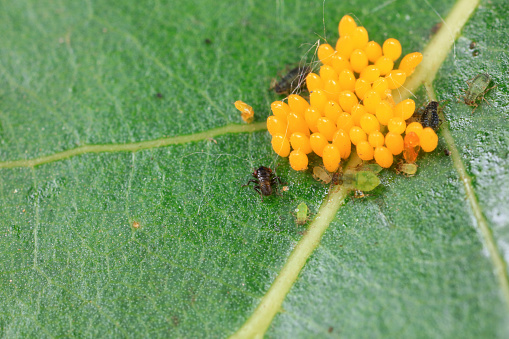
(135, 146)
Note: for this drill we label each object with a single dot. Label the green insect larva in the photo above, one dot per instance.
(320, 174)
(301, 214)
(477, 88)
(407, 169)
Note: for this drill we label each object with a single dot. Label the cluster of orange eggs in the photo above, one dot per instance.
(351, 103)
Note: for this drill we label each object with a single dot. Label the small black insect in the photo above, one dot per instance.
(447, 152)
(265, 181)
(436, 28)
(428, 116)
(293, 82)
(208, 41)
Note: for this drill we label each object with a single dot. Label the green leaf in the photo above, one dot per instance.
(122, 160)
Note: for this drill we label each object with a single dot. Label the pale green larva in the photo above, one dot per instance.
(301, 213)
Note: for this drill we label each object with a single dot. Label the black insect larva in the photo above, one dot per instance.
(293, 82)
(265, 181)
(428, 116)
(433, 119)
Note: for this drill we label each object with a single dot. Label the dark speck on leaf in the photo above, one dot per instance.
(475, 53)
(175, 320)
(208, 41)
(435, 28)
(331, 329)
(447, 152)
(159, 95)
(473, 44)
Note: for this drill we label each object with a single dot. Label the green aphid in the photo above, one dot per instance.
(477, 88)
(361, 180)
(407, 169)
(320, 174)
(301, 214)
